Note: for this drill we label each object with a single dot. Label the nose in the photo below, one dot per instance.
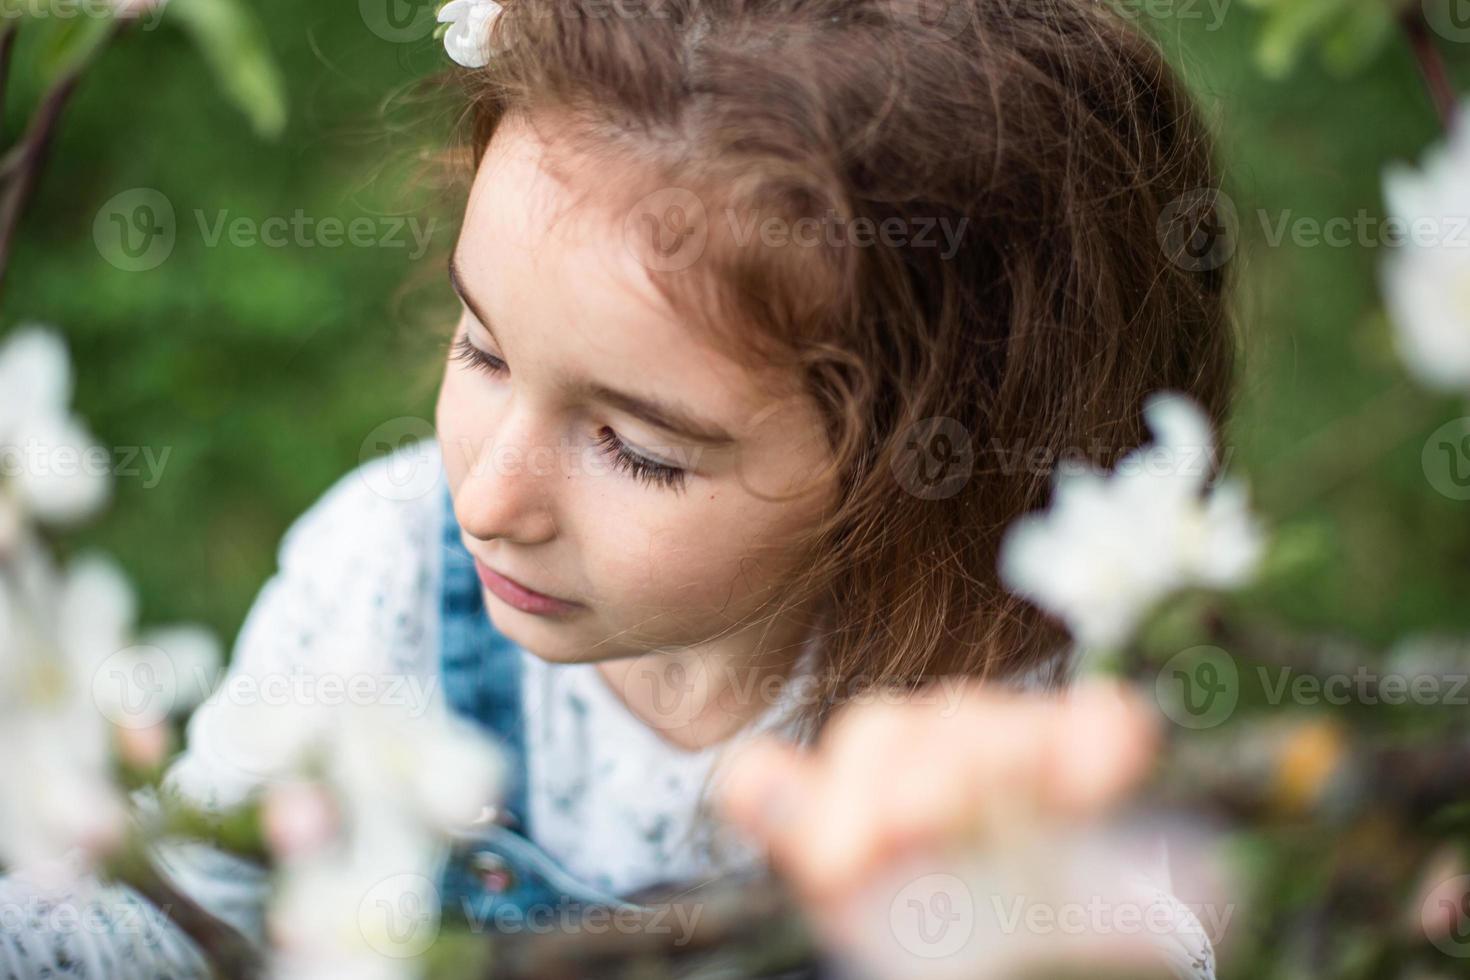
(507, 491)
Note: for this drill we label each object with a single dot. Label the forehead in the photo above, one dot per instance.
(544, 250)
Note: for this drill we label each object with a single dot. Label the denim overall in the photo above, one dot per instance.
(494, 874)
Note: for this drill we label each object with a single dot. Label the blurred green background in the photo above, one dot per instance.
(262, 370)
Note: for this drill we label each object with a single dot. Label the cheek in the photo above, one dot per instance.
(696, 555)
(449, 424)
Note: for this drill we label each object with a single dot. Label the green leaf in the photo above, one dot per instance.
(69, 44)
(1290, 24)
(233, 43)
(1347, 33)
(1358, 38)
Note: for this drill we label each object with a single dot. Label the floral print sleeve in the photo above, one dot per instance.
(85, 929)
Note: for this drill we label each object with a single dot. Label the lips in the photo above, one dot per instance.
(518, 596)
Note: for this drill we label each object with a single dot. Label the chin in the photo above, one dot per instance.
(556, 641)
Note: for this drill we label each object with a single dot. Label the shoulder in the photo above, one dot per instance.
(358, 569)
(365, 555)
(382, 513)
(352, 603)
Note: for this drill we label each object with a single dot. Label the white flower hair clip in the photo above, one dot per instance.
(468, 38)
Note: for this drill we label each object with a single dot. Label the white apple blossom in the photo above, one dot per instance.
(468, 37)
(64, 634)
(364, 902)
(45, 471)
(358, 798)
(352, 916)
(56, 788)
(194, 660)
(1112, 545)
(1427, 278)
(297, 818)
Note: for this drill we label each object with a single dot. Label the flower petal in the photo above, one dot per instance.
(35, 376)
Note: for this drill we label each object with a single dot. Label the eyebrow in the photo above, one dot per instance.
(657, 413)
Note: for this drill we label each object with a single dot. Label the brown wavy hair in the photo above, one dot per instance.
(1053, 129)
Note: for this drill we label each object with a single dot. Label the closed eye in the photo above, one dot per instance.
(479, 360)
(639, 467)
(643, 469)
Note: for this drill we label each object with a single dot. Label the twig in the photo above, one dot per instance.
(166, 816)
(22, 165)
(232, 956)
(750, 926)
(21, 178)
(7, 48)
(1431, 62)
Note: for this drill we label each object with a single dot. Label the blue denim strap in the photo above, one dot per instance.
(495, 876)
(479, 668)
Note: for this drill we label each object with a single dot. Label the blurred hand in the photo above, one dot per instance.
(887, 781)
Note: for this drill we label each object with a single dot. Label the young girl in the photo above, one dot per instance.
(769, 306)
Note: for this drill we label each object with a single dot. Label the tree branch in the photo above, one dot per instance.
(7, 49)
(21, 167)
(23, 171)
(230, 954)
(1430, 61)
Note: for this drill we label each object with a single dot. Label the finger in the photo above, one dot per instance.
(1102, 747)
(861, 752)
(763, 791)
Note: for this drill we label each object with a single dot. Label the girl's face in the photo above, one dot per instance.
(612, 474)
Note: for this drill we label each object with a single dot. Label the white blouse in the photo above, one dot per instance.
(610, 799)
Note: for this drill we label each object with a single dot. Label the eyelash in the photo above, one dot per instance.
(640, 468)
(468, 353)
